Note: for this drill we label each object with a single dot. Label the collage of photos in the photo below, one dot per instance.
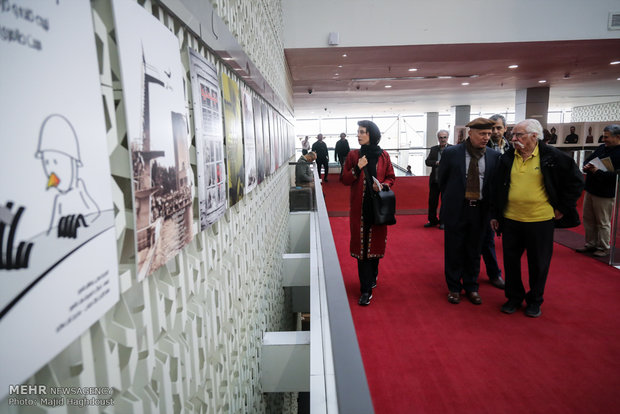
(211, 167)
(576, 134)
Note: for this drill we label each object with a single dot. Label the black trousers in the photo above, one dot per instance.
(325, 163)
(537, 240)
(488, 253)
(433, 202)
(462, 245)
(367, 270)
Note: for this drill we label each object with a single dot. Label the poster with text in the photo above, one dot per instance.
(158, 134)
(212, 182)
(58, 261)
(258, 133)
(266, 140)
(249, 142)
(234, 140)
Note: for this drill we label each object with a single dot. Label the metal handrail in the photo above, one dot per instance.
(352, 392)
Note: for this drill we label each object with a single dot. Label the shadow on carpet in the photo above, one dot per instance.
(572, 240)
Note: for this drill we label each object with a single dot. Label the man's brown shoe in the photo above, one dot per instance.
(474, 298)
(454, 297)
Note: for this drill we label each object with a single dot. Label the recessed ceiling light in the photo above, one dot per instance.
(336, 74)
(513, 66)
(542, 81)
(413, 69)
(339, 66)
(465, 83)
(618, 79)
(615, 62)
(388, 86)
(344, 55)
(228, 58)
(444, 77)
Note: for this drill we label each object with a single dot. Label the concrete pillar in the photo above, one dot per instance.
(461, 115)
(432, 126)
(532, 103)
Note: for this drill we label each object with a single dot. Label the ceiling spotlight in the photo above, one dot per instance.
(615, 62)
(388, 86)
(413, 69)
(542, 81)
(444, 77)
(567, 75)
(339, 66)
(336, 74)
(465, 83)
(344, 55)
(513, 66)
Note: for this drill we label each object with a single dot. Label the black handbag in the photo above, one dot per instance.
(383, 204)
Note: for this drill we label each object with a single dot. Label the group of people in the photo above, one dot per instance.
(518, 188)
(321, 154)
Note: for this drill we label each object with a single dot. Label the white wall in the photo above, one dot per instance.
(307, 23)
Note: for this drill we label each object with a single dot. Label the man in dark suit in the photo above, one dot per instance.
(433, 182)
(322, 156)
(465, 174)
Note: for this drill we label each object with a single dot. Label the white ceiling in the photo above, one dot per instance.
(578, 73)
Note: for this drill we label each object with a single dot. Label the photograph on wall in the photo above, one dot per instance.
(58, 259)
(591, 133)
(212, 182)
(249, 142)
(158, 135)
(573, 134)
(273, 131)
(258, 134)
(233, 139)
(555, 131)
(266, 140)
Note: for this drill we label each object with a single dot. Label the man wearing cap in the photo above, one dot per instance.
(465, 174)
(536, 190)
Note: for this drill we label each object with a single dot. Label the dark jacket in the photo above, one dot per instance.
(561, 177)
(342, 150)
(453, 181)
(303, 173)
(603, 183)
(320, 147)
(431, 160)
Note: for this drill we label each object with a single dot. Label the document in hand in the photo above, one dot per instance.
(603, 164)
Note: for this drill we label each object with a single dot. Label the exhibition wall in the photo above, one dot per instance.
(169, 270)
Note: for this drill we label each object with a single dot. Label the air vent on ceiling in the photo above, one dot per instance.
(614, 21)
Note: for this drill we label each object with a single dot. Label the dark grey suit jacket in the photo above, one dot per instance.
(452, 182)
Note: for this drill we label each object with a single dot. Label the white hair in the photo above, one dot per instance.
(532, 126)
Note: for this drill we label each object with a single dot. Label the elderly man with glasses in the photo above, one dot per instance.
(536, 190)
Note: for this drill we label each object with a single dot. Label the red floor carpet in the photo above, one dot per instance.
(424, 355)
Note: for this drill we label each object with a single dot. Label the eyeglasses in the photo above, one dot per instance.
(518, 135)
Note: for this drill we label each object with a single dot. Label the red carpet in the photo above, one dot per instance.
(425, 355)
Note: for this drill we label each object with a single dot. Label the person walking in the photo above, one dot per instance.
(465, 174)
(537, 188)
(598, 201)
(368, 241)
(322, 156)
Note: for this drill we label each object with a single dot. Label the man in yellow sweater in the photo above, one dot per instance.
(536, 190)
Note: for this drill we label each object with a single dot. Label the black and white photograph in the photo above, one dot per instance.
(158, 134)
